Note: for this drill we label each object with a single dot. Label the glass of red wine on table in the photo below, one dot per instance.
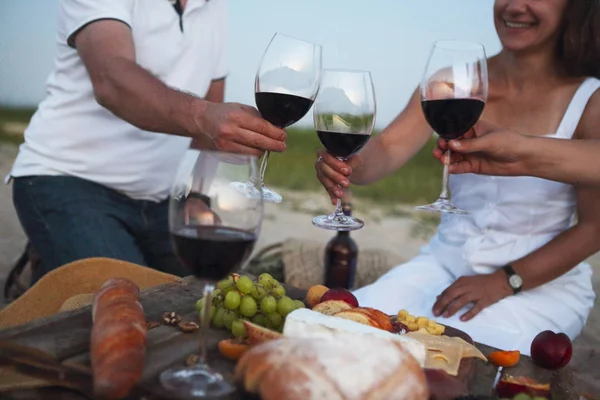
(213, 229)
(453, 94)
(286, 84)
(344, 117)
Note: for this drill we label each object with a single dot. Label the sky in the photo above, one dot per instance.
(390, 38)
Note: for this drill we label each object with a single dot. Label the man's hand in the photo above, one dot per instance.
(487, 150)
(480, 290)
(236, 128)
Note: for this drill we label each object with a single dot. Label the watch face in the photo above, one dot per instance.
(515, 281)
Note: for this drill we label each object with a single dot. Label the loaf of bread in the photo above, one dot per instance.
(343, 366)
(118, 339)
(304, 323)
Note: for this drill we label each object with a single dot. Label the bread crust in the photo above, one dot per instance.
(308, 368)
(118, 339)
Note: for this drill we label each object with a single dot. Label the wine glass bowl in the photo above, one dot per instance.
(344, 118)
(453, 91)
(286, 85)
(213, 229)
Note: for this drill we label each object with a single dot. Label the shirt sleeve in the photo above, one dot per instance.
(76, 14)
(220, 68)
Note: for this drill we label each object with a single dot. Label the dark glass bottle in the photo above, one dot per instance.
(341, 255)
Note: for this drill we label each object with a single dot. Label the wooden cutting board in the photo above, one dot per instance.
(66, 338)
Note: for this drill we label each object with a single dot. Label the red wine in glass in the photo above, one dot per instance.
(286, 84)
(213, 229)
(212, 252)
(453, 94)
(344, 117)
(452, 118)
(343, 145)
(281, 109)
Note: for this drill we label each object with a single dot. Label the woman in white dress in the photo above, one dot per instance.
(515, 265)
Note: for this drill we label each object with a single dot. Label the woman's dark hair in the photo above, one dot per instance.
(579, 41)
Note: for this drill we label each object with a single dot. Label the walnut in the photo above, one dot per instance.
(192, 360)
(152, 324)
(188, 326)
(171, 318)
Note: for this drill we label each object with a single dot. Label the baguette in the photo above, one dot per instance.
(118, 339)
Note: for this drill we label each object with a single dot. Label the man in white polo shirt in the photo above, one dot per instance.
(135, 82)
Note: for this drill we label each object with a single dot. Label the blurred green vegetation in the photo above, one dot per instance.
(418, 182)
(13, 117)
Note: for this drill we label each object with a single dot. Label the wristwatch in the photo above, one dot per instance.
(514, 280)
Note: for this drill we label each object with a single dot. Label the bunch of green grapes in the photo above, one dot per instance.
(239, 298)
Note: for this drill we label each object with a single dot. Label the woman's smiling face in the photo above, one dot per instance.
(524, 25)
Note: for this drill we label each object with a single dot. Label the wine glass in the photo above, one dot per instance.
(213, 228)
(344, 117)
(286, 84)
(454, 90)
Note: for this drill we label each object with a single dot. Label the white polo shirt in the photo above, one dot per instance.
(71, 134)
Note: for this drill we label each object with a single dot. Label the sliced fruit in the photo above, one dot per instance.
(233, 348)
(314, 294)
(332, 307)
(257, 334)
(358, 316)
(510, 386)
(504, 358)
(382, 319)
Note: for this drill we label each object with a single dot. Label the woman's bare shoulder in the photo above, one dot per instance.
(589, 125)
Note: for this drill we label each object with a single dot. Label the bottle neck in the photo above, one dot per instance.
(343, 233)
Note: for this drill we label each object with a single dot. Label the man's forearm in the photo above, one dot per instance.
(135, 95)
(569, 161)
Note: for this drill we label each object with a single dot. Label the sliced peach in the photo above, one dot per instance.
(383, 320)
(504, 358)
(510, 386)
(258, 334)
(314, 294)
(233, 348)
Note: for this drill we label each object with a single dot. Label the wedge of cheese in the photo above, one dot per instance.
(304, 323)
(445, 352)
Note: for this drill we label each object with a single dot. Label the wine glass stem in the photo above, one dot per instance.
(339, 212)
(444, 195)
(205, 322)
(263, 166)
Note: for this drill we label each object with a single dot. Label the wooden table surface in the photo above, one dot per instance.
(66, 337)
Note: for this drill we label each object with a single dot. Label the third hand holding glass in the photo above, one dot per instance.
(453, 94)
(344, 117)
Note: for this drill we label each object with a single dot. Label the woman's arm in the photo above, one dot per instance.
(383, 155)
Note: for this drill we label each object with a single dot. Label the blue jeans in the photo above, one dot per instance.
(68, 219)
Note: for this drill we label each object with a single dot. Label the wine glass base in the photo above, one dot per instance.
(337, 223)
(195, 382)
(270, 196)
(442, 206)
(248, 189)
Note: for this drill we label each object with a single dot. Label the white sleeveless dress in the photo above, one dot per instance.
(510, 218)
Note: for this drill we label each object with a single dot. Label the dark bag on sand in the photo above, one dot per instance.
(21, 274)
